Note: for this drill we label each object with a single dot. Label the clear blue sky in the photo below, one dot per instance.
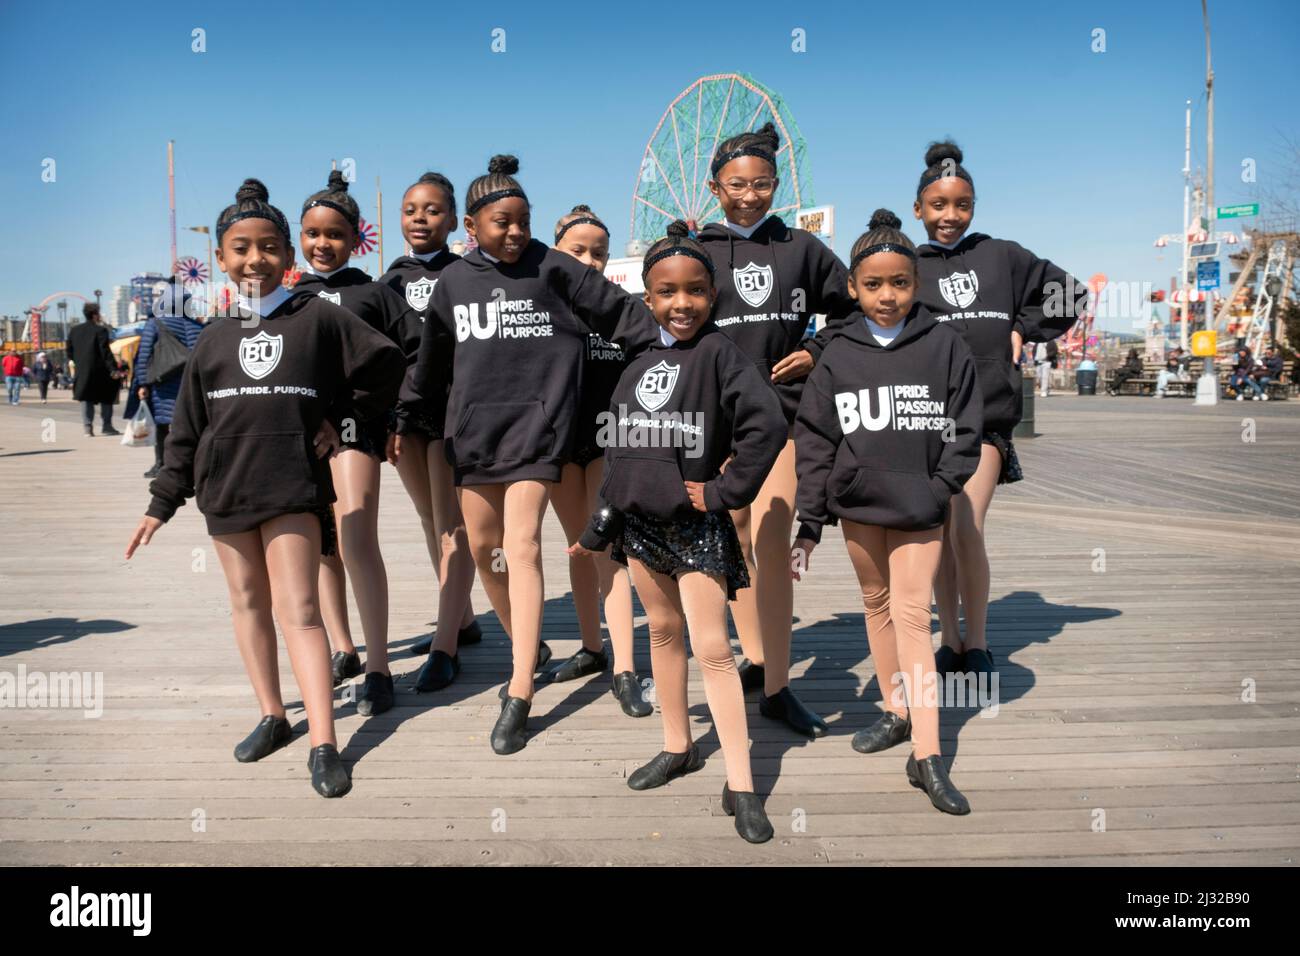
(1075, 154)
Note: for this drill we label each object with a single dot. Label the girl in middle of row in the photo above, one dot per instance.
(666, 505)
(507, 327)
(582, 235)
(771, 280)
(330, 228)
(888, 431)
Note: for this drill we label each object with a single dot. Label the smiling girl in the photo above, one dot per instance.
(507, 327)
(248, 442)
(665, 508)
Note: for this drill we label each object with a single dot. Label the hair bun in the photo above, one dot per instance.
(883, 217)
(582, 209)
(678, 229)
(938, 152)
(503, 163)
(337, 183)
(252, 189)
(767, 132)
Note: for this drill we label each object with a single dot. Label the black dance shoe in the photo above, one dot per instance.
(345, 666)
(580, 665)
(929, 775)
(751, 819)
(948, 661)
(473, 634)
(508, 735)
(751, 675)
(268, 736)
(889, 731)
(664, 767)
(543, 656)
(153, 472)
(979, 660)
(628, 691)
(376, 694)
(788, 709)
(439, 671)
(328, 775)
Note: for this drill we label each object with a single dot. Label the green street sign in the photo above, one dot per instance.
(1234, 212)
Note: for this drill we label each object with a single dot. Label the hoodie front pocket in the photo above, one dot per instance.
(502, 431)
(255, 471)
(646, 486)
(890, 499)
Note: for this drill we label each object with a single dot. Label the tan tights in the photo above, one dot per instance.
(964, 567)
(699, 601)
(896, 571)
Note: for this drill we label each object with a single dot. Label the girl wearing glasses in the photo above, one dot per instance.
(771, 279)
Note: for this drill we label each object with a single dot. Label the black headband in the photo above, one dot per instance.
(493, 196)
(675, 251)
(960, 173)
(351, 217)
(267, 212)
(881, 247)
(580, 221)
(722, 159)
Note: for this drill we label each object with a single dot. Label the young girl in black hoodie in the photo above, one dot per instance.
(887, 433)
(330, 229)
(997, 295)
(771, 280)
(507, 327)
(690, 403)
(428, 217)
(248, 440)
(581, 234)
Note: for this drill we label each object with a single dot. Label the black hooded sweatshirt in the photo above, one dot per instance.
(985, 288)
(678, 413)
(253, 396)
(769, 286)
(511, 339)
(870, 434)
(414, 279)
(379, 307)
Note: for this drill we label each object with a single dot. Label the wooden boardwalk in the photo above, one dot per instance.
(1154, 696)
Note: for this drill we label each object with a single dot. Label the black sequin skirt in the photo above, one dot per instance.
(705, 541)
(1010, 461)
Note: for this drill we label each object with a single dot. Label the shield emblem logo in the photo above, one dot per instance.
(754, 283)
(656, 386)
(418, 292)
(959, 289)
(335, 297)
(259, 355)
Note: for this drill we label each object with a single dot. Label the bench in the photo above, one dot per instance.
(1145, 384)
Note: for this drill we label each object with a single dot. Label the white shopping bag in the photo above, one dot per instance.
(140, 430)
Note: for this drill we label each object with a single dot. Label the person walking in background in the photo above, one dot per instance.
(165, 344)
(94, 377)
(1045, 354)
(13, 368)
(42, 374)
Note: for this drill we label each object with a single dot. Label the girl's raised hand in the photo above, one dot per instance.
(801, 557)
(394, 450)
(143, 534)
(795, 365)
(326, 441)
(695, 491)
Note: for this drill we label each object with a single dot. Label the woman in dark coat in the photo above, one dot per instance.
(94, 382)
(42, 373)
(161, 396)
(1132, 368)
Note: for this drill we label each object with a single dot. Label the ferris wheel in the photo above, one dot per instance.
(672, 181)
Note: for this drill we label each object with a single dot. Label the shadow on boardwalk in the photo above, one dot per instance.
(46, 632)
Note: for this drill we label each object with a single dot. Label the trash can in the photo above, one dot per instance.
(1025, 429)
(1086, 380)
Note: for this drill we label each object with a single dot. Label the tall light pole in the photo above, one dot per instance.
(1209, 131)
(212, 280)
(1187, 187)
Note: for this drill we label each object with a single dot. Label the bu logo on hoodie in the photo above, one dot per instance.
(259, 355)
(335, 297)
(904, 407)
(656, 386)
(754, 283)
(959, 289)
(418, 292)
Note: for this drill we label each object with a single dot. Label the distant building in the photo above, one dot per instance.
(145, 287)
(116, 311)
